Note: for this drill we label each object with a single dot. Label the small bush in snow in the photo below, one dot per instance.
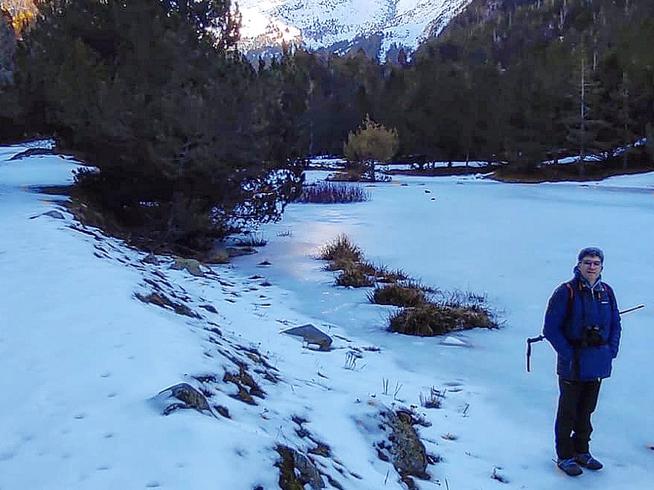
(354, 276)
(370, 143)
(439, 318)
(397, 295)
(330, 193)
(341, 249)
(462, 299)
(434, 399)
(386, 275)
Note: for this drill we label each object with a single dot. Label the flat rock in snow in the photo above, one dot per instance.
(312, 336)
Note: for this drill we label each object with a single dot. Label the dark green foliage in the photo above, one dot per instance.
(341, 91)
(185, 136)
(10, 110)
(502, 83)
(7, 51)
(330, 193)
(530, 62)
(189, 136)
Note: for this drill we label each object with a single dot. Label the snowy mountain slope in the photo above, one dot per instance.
(324, 23)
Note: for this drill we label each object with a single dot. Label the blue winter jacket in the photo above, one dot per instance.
(569, 314)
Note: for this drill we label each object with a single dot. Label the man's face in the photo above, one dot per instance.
(591, 268)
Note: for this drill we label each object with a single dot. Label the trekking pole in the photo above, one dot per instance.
(542, 337)
(633, 308)
(529, 342)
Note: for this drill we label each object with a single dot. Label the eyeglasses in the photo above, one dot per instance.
(588, 263)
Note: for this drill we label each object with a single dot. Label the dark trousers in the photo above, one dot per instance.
(577, 401)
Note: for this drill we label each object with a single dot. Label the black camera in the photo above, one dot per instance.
(592, 337)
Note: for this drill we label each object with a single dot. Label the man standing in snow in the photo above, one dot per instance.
(582, 323)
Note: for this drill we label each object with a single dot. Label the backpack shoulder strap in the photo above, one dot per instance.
(571, 291)
(609, 290)
(611, 294)
(571, 296)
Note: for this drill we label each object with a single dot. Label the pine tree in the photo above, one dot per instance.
(169, 112)
(586, 129)
(7, 50)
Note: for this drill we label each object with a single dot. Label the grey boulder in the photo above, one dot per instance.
(312, 336)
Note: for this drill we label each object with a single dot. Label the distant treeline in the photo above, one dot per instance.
(182, 125)
(515, 81)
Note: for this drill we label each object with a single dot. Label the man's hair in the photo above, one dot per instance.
(592, 252)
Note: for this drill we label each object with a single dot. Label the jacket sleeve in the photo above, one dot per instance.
(616, 326)
(557, 309)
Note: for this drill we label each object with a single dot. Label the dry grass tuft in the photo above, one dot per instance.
(398, 295)
(437, 318)
(354, 276)
(333, 193)
(425, 311)
(341, 250)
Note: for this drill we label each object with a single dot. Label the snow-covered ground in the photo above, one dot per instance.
(81, 357)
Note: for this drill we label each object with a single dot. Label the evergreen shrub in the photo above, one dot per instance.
(370, 143)
(186, 134)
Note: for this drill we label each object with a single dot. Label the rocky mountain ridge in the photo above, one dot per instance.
(377, 26)
(340, 25)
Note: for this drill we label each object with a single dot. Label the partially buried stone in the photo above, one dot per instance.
(181, 396)
(407, 451)
(191, 265)
(151, 259)
(297, 471)
(54, 214)
(312, 336)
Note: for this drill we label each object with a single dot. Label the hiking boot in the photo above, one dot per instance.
(587, 461)
(569, 466)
